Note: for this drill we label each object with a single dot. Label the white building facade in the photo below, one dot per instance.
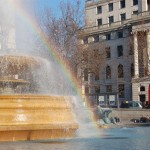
(119, 25)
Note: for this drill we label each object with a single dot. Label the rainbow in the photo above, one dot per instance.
(53, 49)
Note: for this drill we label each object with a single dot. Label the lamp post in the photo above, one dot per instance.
(118, 103)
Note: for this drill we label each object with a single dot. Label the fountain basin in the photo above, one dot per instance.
(35, 117)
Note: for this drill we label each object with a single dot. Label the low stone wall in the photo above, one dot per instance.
(127, 114)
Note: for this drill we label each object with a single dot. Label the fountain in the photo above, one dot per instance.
(30, 109)
(26, 115)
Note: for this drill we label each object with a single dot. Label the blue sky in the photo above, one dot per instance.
(35, 8)
(53, 4)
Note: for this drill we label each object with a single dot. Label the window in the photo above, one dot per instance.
(86, 90)
(95, 53)
(131, 52)
(120, 34)
(97, 90)
(111, 19)
(108, 72)
(122, 4)
(108, 53)
(142, 88)
(86, 75)
(148, 3)
(120, 71)
(108, 88)
(99, 22)
(132, 70)
(99, 9)
(123, 16)
(110, 6)
(96, 38)
(85, 40)
(135, 12)
(121, 90)
(135, 2)
(108, 37)
(96, 76)
(120, 50)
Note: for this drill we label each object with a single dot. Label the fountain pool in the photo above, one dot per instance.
(114, 139)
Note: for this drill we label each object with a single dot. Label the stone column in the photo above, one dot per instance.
(148, 48)
(136, 57)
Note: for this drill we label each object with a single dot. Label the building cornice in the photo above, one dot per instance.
(138, 80)
(105, 29)
(136, 19)
(90, 3)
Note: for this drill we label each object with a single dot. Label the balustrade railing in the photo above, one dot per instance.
(139, 15)
(118, 23)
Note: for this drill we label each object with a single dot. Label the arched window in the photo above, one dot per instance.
(120, 71)
(121, 90)
(96, 76)
(86, 90)
(97, 90)
(108, 72)
(108, 53)
(86, 75)
(142, 88)
(132, 70)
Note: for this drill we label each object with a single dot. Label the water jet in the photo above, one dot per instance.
(25, 113)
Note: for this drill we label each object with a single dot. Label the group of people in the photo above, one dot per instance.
(143, 119)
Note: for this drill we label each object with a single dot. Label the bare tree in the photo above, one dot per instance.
(63, 30)
(65, 33)
(90, 59)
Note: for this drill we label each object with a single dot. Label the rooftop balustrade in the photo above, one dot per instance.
(115, 25)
